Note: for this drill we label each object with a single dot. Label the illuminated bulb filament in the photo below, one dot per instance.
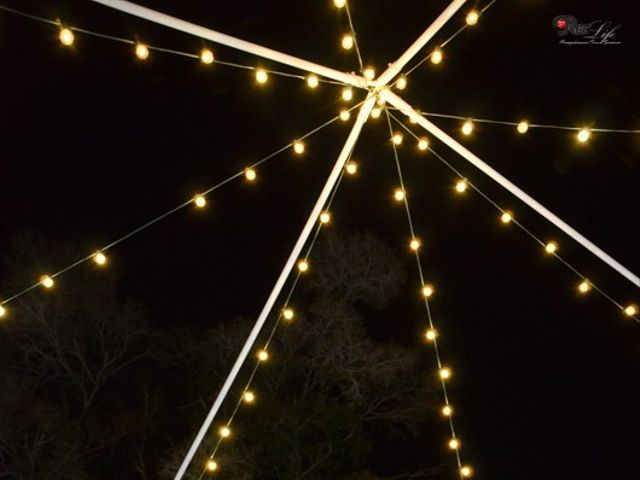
(206, 56)
(399, 195)
(447, 411)
(401, 84)
(466, 472)
(345, 115)
(427, 291)
(631, 310)
(261, 76)
(445, 373)
(249, 397)
(423, 144)
(142, 51)
(212, 466)
(200, 201)
(325, 217)
(66, 37)
(312, 81)
(298, 147)
(347, 42)
(551, 247)
(100, 258)
(415, 244)
(397, 139)
(436, 56)
(339, 3)
(454, 444)
(376, 112)
(523, 126)
(467, 127)
(431, 335)
(347, 94)
(225, 432)
(461, 186)
(263, 355)
(3, 311)
(583, 135)
(369, 73)
(288, 313)
(472, 17)
(506, 217)
(250, 174)
(351, 167)
(584, 286)
(303, 266)
(46, 281)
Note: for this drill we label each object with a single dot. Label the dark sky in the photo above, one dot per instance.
(95, 143)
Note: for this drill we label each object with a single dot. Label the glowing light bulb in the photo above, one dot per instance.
(431, 335)
(347, 94)
(263, 355)
(3, 311)
(46, 281)
(249, 397)
(584, 286)
(225, 432)
(339, 3)
(142, 51)
(325, 217)
(447, 411)
(436, 56)
(399, 195)
(551, 247)
(376, 112)
(369, 73)
(66, 37)
(206, 56)
(401, 84)
(413, 119)
(351, 167)
(200, 201)
(472, 17)
(423, 144)
(312, 81)
(298, 147)
(303, 266)
(415, 244)
(461, 186)
(250, 174)
(454, 444)
(523, 126)
(345, 115)
(288, 313)
(583, 135)
(397, 139)
(427, 291)
(445, 373)
(467, 127)
(211, 466)
(506, 217)
(100, 258)
(381, 101)
(466, 472)
(347, 42)
(261, 76)
(631, 311)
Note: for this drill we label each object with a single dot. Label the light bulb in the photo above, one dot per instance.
(261, 76)
(46, 281)
(249, 397)
(206, 56)
(506, 217)
(631, 310)
(347, 94)
(325, 217)
(142, 51)
(369, 73)
(381, 101)
(413, 119)
(399, 195)
(461, 186)
(472, 17)
(3, 311)
(445, 373)
(415, 244)
(211, 466)
(303, 266)
(397, 139)
(447, 410)
(66, 36)
(298, 147)
(351, 167)
(347, 42)
(200, 201)
(436, 56)
(339, 3)
(584, 286)
(427, 291)
(466, 471)
(312, 81)
(100, 258)
(431, 334)
(376, 112)
(523, 126)
(454, 444)
(263, 355)
(401, 83)
(250, 174)
(551, 247)
(583, 135)
(288, 313)
(345, 115)
(467, 127)
(225, 432)
(423, 144)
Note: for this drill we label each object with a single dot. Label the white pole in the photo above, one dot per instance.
(422, 40)
(365, 110)
(405, 108)
(221, 38)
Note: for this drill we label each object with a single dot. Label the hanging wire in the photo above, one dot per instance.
(355, 37)
(515, 221)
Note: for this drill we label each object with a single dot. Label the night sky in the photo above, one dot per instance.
(95, 143)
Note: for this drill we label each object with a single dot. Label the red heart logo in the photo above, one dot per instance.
(561, 23)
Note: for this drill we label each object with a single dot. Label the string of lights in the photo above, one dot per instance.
(507, 217)
(199, 201)
(427, 291)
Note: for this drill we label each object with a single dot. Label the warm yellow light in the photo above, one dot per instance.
(461, 186)
(249, 397)
(431, 334)
(551, 247)
(415, 244)
(447, 411)
(288, 313)
(142, 51)
(401, 83)
(413, 119)
(351, 167)
(225, 432)
(423, 144)
(339, 3)
(381, 101)
(584, 286)
(200, 201)
(467, 127)
(100, 258)
(312, 81)
(631, 310)
(369, 73)
(3, 311)
(347, 42)
(399, 195)
(250, 174)
(206, 56)
(436, 56)
(325, 217)
(46, 281)
(303, 266)
(66, 37)
(523, 126)
(261, 76)
(472, 17)
(427, 291)
(454, 444)
(345, 115)
(583, 135)
(347, 94)
(298, 147)
(376, 112)
(506, 217)
(397, 138)
(466, 471)
(263, 355)
(212, 466)
(445, 373)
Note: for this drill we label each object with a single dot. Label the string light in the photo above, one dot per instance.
(100, 258)
(466, 471)
(423, 144)
(347, 42)
(467, 127)
(325, 217)
(288, 313)
(447, 411)
(397, 139)
(376, 112)
(401, 84)
(369, 73)
(427, 290)
(472, 17)
(312, 81)
(506, 217)
(263, 355)
(46, 281)
(303, 265)
(584, 286)
(523, 126)
(415, 244)
(225, 432)
(200, 201)
(3, 311)
(431, 335)
(261, 76)
(445, 373)
(339, 3)
(212, 465)
(66, 37)
(583, 135)
(461, 186)
(631, 310)
(454, 444)
(551, 247)
(250, 174)
(142, 51)
(351, 167)
(399, 195)
(249, 397)
(206, 56)
(345, 115)
(436, 56)
(298, 147)
(347, 94)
